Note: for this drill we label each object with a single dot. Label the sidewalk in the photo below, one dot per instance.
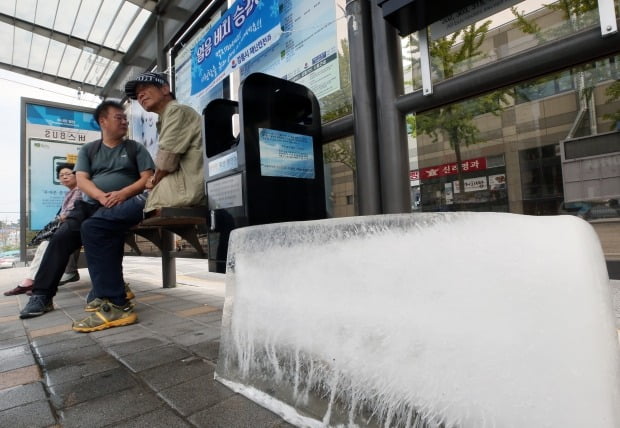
(156, 373)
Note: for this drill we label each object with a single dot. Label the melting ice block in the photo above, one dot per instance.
(423, 320)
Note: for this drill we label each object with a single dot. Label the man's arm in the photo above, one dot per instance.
(111, 199)
(87, 186)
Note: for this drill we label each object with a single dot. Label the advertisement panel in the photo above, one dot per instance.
(51, 134)
(45, 191)
(307, 50)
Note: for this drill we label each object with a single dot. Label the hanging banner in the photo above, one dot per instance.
(247, 29)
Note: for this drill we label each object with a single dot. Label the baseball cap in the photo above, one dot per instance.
(158, 79)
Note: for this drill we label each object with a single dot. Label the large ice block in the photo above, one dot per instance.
(435, 319)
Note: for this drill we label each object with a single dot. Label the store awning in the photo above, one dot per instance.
(409, 16)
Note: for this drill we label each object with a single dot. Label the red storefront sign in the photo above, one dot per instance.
(470, 165)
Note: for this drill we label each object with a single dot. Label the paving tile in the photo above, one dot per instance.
(63, 345)
(150, 298)
(123, 335)
(153, 357)
(197, 336)
(32, 415)
(8, 318)
(21, 376)
(22, 394)
(157, 418)
(172, 330)
(195, 395)
(150, 316)
(91, 387)
(15, 358)
(202, 309)
(173, 305)
(110, 409)
(237, 412)
(118, 330)
(66, 326)
(80, 369)
(209, 350)
(71, 357)
(12, 329)
(15, 341)
(133, 346)
(176, 372)
(54, 318)
(57, 337)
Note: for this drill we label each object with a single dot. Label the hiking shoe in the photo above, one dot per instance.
(20, 289)
(94, 305)
(128, 293)
(108, 315)
(69, 277)
(37, 306)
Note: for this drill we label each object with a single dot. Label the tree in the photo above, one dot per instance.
(456, 121)
(613, 92)
(577, 15)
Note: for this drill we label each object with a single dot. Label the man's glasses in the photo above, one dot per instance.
(65, 174)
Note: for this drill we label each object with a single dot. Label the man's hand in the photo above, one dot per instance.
(112, 199)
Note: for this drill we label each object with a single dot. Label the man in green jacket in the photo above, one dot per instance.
(179, 179)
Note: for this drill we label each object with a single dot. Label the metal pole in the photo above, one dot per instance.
(162, 64)
(168, 263)
(393, 151)
(364, 106)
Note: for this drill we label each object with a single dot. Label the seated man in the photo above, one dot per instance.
(112, 174)
(179, 179)
(65, 174)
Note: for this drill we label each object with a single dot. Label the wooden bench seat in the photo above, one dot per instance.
(160, 227)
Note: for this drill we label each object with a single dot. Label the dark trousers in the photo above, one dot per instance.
(102, 232)
(103, 236)
(65, 241)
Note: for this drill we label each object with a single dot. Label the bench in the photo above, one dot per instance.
(154, 237)
(159, 229)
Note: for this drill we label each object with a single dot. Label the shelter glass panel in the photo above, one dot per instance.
(502, 151)
(480, 39)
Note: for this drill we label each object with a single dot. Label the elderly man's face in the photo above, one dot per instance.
(151, 97)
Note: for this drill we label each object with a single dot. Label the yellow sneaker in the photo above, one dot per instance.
(108, 315)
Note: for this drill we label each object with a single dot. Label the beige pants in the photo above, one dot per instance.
(38, 256)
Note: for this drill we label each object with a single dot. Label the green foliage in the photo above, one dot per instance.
(456, 121)
(576, 14)
(613, 92)
(340, 151)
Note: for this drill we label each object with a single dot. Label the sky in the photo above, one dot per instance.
(12, 87)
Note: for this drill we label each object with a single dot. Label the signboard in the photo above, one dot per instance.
(245, 30)
(471, 184)
(469, 165)
(284, 154)
(226, 192)
(52, 133)
(307, 50)
(223, 164)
